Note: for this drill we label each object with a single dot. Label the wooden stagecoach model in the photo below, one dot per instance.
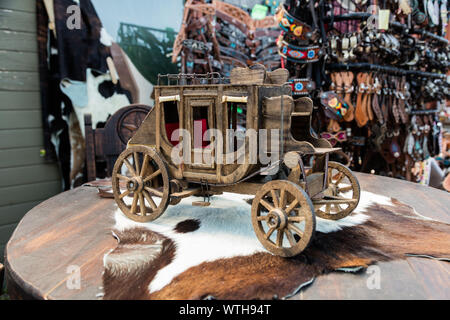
(288, 193)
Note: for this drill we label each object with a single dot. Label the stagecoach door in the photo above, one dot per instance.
(199, 119)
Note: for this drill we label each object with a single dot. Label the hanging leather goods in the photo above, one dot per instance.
(376, 100)
(328, 101)
(360, 112)
(334, 125)
(302, 87)
(368, 98)
(353, 46)
(403, 95)
(385, 99)
(345, 45)
(334, 107)
(395, 99)
(299, 54)
(291, 25)
(347, 77)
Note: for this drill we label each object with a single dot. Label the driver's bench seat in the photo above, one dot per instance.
(301, 124)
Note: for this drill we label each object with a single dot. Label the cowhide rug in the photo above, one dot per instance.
(204, 252)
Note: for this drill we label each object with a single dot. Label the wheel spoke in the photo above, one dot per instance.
(275, 198)
(122, 177)
(269, 233)
(153, 175)
(124, 194)
(290, 237)
(345, 189)
(136, 162)
(335, 200)
(144, 166)
(295, 229)
(296, 219)
(134, 204)
(292, 206)
(280, 238)
(129, 166)
(261, 218)
(142, 204)
(341, 177)
(154, 192)
(149, 199)
(282, 198)
(266, 205)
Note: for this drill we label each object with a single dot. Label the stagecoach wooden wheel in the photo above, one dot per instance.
(283, 218)
(342, 195)
(147, 191)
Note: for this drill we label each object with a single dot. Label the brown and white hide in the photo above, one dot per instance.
(200, 252)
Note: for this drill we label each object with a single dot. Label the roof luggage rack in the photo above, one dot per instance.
(192, 79)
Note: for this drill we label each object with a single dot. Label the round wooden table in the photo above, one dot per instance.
(74, 229)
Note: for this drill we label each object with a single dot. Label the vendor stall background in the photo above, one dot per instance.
(145, 30)
(26, 178)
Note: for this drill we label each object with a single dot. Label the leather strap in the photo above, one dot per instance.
(347, 78)
(293, 26)
(234, 53)
(375, 100)
(385, 99)
(299, 54)
(333, 126)
(360, 113)
(301, 87)
(368, 97)
(401, 104)
(395, 109)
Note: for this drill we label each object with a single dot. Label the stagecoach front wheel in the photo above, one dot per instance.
(140, 183)
(283, 218)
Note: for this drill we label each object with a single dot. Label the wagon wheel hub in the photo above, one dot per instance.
(277, 218)
(135, 184)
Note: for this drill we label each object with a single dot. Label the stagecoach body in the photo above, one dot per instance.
(206, 135)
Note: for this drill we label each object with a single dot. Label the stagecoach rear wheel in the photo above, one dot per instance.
(147, 192)
(342, 195)
(283, 218)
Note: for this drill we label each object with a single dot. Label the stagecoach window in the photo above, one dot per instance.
(237, 122)
(200, 117)
(171, 119)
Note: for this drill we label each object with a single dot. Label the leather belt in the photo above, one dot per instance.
(294, 26)
(233, 62)
(299, 54)
(301, 87)
(271, 33)
(233, 53)
(230, 43)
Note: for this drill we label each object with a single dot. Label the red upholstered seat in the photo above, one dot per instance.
(170, 128)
